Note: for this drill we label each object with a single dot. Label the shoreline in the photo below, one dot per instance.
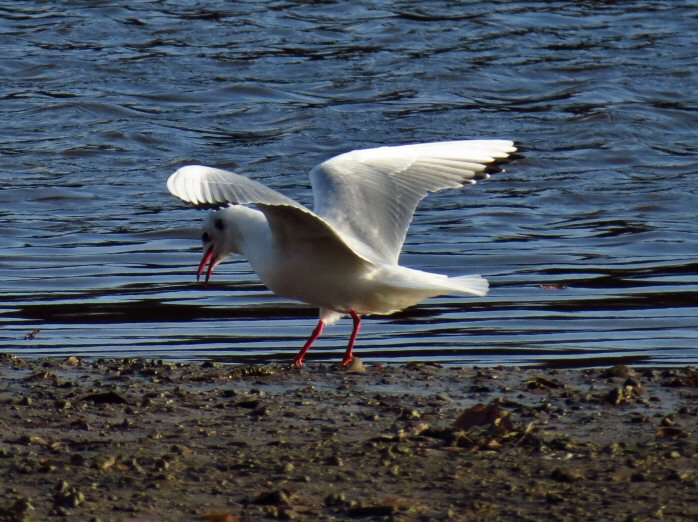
(134, 439)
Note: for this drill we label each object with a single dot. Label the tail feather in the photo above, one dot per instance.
(430, 285)
(398, 287)
(469, 284)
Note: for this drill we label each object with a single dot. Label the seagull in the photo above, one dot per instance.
(341, 257)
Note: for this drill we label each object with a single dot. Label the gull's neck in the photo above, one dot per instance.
(247, 228)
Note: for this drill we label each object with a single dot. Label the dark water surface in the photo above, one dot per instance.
(590, 241)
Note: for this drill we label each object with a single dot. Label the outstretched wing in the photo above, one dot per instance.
(371, 194)
(206, 187)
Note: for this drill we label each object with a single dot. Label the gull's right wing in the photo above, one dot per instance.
(210, 188)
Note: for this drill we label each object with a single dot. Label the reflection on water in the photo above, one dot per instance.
(589, 240)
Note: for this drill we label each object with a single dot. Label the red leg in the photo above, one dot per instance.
(348, 355)
(298, 361)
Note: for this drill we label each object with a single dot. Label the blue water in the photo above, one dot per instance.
(589, 241)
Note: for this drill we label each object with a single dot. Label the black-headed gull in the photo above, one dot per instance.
(343, 256)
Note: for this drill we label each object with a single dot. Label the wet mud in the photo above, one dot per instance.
(132, 439)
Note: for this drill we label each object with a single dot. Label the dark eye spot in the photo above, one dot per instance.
(218, 223)
(205, 237)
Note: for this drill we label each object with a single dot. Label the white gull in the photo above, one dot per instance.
(343, 256)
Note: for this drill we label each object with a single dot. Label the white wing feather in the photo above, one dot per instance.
(372, 194)
(207, 187)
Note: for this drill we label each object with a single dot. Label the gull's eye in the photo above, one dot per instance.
(205, 238)
(218, 223)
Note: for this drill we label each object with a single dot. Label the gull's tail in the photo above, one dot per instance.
(426, 284)
(397, 287)
(469, 284)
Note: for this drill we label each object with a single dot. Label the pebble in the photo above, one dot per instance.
(619, 370)
(104, 462)
(276, 497)
(67, 496)
(357, 366)
(72, 361)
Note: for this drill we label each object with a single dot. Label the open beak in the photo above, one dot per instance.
(206, 260)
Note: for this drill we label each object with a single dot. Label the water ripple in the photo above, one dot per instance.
(588, 239)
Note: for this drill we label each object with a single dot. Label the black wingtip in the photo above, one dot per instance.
(210, 206)
(519, 153)
(498, 164)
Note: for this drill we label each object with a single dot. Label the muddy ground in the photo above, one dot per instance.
(146, 440)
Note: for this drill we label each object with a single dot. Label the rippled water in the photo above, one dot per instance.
(589, 241)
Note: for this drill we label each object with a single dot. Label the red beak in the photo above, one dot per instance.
(207, 260)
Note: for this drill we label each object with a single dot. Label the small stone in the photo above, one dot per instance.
(638, 476)
(248, 403)
(356, 366)
(334, 460)
(62, 404)
(77, 460)
(371, 511)
(410, 414)
(541, 383)
(180, 449)
(261, 411)
(554, 498)
(80, 424)
(19, 510)
(681, 476)
(335, 499)
(614, 448)
(72, 361)
(44, 375)
(561, 475)
(137, 467)
(618, 396)
(104, 462)
(34, 440)
(668, 420)
(445, 397)
(67, 496)
(109, 397)
(619, 370)
(276, 497)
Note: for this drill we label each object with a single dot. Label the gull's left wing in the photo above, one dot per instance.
(371, 194)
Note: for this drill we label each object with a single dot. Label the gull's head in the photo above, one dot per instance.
(218, 241)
